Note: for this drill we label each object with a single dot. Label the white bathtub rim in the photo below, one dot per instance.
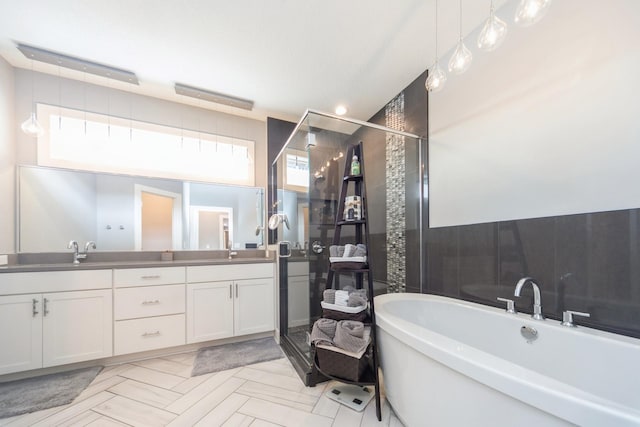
(569, 403)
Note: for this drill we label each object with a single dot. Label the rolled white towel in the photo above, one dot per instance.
(349, 250)
(361, 250)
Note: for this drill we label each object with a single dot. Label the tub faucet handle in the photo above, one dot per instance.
(567, 317)
(511, 308)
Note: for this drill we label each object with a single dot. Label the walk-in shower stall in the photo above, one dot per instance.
(307, 177)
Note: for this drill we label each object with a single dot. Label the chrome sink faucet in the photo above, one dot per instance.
(77, 255)
(230, 252)
(537, 307)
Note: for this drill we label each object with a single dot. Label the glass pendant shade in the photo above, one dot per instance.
(436, 79)
(460, 60)
(32, 127)
(531, 11)
(493, 33)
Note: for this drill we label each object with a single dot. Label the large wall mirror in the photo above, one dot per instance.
(124, 213)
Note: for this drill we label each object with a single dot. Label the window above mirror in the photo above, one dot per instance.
(76, 139)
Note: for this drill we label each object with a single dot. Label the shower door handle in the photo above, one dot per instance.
(284, 250)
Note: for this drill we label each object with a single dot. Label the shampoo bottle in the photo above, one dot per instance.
(355, 166)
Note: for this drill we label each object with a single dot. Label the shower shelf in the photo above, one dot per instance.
(370, 374)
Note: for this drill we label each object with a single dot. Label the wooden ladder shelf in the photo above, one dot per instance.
(371, 374)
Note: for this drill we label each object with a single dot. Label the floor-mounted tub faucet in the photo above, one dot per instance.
(537, 306)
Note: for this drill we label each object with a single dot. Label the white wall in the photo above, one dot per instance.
(8, 126)
(548, 124)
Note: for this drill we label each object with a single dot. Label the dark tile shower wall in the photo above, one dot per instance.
(406, 112)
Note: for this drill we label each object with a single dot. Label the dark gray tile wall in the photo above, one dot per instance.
(587, 262)
(413, 119)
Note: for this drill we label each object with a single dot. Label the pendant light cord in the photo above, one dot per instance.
(33, 85)
(460, 20)
(436, 30)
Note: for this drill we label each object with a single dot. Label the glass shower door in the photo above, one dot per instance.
(309, 174)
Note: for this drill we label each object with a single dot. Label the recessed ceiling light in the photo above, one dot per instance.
(341, 110)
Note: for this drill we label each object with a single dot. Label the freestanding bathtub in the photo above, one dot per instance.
(448, 362)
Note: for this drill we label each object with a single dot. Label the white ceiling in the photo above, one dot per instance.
(286, 55)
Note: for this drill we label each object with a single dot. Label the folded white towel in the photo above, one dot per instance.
(342, 298)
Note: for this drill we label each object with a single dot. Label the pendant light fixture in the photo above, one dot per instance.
(437, 78)
(31, 126)
(461, 58)
(531, 11)
(493, 32)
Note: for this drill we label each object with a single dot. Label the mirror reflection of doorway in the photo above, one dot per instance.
(158, 219)
(210, 227)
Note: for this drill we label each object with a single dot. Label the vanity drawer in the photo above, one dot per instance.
(54, 281)
(214, 273)
(151, 333)
(148, 276)
(146, 301)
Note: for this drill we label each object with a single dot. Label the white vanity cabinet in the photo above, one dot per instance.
(149, 308)
(229, 300)
(54, 318)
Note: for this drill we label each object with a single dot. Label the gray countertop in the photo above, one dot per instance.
(109, 260)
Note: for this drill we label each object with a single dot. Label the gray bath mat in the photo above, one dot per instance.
(34, 394)
(229, 356)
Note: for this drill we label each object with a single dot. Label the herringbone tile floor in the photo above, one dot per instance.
(160, 392)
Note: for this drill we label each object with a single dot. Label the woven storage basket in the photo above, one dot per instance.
(348, 265)
(341, 365)
(336, 312)
(341, 315)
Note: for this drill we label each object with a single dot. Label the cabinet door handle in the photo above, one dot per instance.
(34, 310)
(46, 310)
(236, 290)
(230, 291)
(153, 276)
(148, 302)
(151, 334)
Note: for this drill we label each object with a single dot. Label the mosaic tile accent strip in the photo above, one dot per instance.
(396, 242)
